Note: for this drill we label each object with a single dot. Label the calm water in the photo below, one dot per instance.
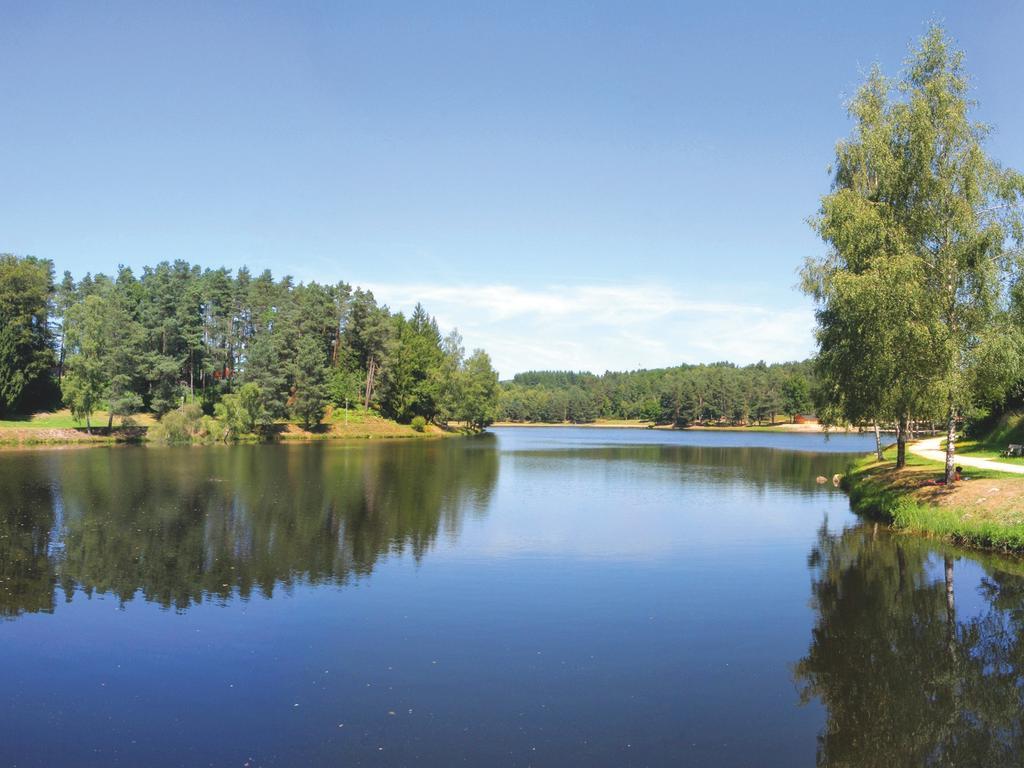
(542, 597)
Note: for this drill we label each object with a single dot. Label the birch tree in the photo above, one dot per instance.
(923, 230)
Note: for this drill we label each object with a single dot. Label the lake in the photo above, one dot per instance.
(529, 597)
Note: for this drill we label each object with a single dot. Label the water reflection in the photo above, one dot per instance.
(754, 467)
(184, 525)
(906, 679)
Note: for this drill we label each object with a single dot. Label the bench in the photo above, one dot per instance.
(1014, 450)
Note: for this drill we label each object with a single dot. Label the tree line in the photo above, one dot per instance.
(250, 350)
(920, 303)
(720, 393)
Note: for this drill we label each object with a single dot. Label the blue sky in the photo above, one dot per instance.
(573, 185)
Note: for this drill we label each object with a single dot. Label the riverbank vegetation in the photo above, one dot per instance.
(721, 393)
(989, 438)
(215, 354)
(987, 510)
(920, 306)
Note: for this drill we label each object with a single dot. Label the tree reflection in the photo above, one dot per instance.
(181, 526)
(904, 680)
(759, 468)
(27, 577)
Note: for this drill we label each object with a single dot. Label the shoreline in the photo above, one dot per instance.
(985, 511)
(813, 428)
(51, 438)
(99, 441)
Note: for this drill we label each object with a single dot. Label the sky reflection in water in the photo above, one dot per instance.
(532, 597)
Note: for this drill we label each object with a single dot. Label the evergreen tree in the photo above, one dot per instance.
(26, 351)
(309, 377)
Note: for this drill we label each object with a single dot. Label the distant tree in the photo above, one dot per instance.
(26, 351)
(309, 376)
(265, 366)
(365, 337)
(581, 408)
(444, 379)
(345, 386)
(250, 349)
(64, 297)
(412, 355)
(240, 412)
(796, 396)
(172, 320)
(479, 391)
(86, 381)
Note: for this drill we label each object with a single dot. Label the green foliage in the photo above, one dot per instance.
(697, 394)
(266, 367)
(240, 414)
(180, 426)
(274, 350)
(309, 382)
(419, 423)
(796, 395)
(26, 351)
(479, 405)
(86, 381)
(344, 386)
(870, 495)
(924, 233)
(412, 354)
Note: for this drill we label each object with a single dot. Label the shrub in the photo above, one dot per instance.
(211, 430)
(419, 423)
(240, 415)
(179, 426)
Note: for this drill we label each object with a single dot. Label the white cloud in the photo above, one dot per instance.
(600, 327)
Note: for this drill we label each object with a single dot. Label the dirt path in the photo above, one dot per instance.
(931, 449)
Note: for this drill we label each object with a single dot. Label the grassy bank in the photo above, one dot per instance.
(986, 510)
(992, 442)
(60, 428)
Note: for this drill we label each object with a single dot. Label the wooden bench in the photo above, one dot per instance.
(1014, 450)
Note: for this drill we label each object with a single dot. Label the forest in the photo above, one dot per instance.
(242, 351)
(719, 393)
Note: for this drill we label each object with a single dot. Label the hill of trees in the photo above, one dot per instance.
(248, 348)
(720, 393)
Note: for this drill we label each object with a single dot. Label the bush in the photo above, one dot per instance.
(179, 426)
(419, 423)
(211, 430)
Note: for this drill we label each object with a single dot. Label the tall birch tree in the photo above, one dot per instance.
(923, 230)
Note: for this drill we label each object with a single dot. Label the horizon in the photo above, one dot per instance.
(573, 189)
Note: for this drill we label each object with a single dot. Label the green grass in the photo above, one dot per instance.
(59, 420)
(1008, 429)
(900, 498)
(984, 450)
(949, 523)
(64, 420)
(60, 428)
(913, 460)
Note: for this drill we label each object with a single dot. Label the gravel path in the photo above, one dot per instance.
(932, 449)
